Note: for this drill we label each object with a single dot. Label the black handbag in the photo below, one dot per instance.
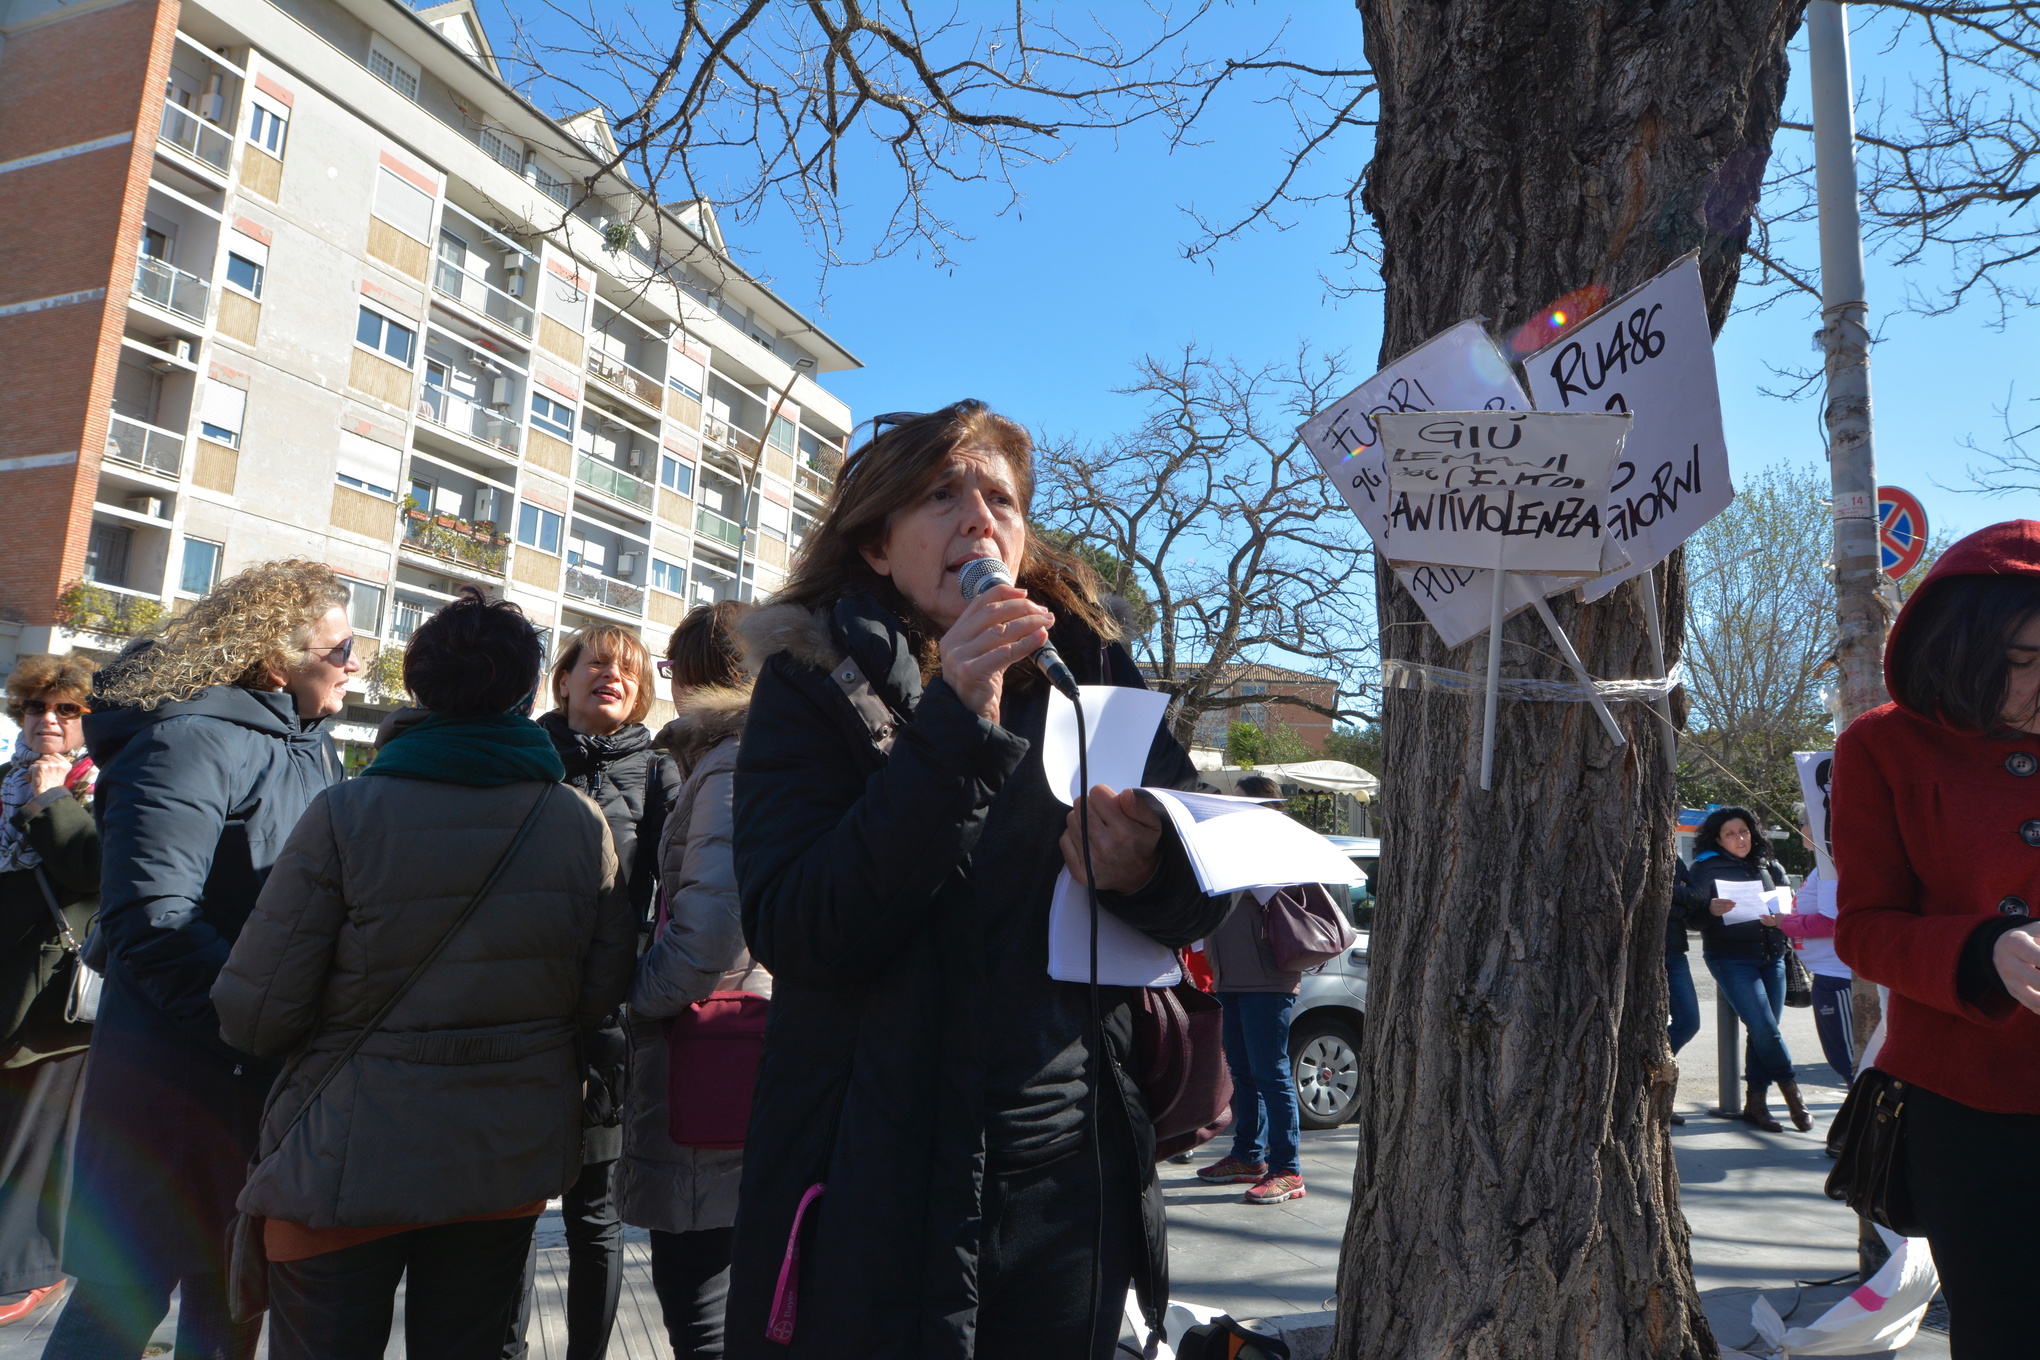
(1798, 982)
(247, 1257)
(1869, 1169)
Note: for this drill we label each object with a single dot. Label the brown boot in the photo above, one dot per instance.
(1756, 1112)
(1796, 1107)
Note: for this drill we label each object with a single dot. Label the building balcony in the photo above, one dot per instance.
(709, 524)
(634, 383)
(196, 138)
(449, 412)
(171, 288)
(728, 436)
(148, 447)
(453, 539)
(486, 298)
(108, 610)
(607, 591)
(614, 481)
(816, 480)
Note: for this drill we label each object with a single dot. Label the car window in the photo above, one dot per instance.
(1360, 899)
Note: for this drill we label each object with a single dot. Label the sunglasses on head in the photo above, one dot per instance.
(665, 665)
(35, 708)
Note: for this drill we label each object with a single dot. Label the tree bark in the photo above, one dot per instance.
(1515, 1194)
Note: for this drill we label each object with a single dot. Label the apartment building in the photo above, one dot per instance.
(1259, 684)
(309, 278)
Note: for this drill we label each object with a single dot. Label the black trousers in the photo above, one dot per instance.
(594, 1268)
(1034, 1261)
(1978, 1202)
(460, 1291)
(691, 1276)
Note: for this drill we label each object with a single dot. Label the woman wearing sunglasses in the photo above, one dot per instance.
(209, 736)
(49, 894)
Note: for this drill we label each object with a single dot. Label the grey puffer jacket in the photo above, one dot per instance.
(468, 1100)
(659, 1184)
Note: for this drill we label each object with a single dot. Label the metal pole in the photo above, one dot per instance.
(1727, 1059)
(1862, 605)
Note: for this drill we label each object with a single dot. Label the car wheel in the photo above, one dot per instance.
(1324, 1061)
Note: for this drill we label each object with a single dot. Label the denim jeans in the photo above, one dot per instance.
(1755, 988)
(1266, 1121)
(460, 1290)
(1685, 1001)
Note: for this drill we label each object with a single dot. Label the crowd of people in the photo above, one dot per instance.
(284, 1042)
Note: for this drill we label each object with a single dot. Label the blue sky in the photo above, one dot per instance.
(1045, 309)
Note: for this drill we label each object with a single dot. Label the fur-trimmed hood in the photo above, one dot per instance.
(706, 717)
(802, 633)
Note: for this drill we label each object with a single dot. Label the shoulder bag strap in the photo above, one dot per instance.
(404, 989)
(63, 926)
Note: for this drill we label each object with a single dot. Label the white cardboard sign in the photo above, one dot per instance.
(1459, 369)
(1816, 770)
(1649, 353)
(1508, 490)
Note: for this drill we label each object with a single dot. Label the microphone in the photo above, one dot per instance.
(979, 576)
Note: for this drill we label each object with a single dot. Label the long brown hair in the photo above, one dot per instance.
(888, 473)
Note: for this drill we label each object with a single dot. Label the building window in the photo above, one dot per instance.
(410, 613)
(221, 413)
(774, 519)
(555, 418)
(201, 570)
(403, 204)
(670, 577)
(364, 605)
(803, 525)
(507, 152)
(538, 528)
(676, 475)
(552, 186)
(266, 128)
(385, 336)
(683, 389)
(106, 554)
(394, 71)
(244, 274)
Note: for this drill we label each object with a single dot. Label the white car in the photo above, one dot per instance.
(1329, 1021)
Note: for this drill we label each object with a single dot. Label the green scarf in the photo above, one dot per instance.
(486, 752)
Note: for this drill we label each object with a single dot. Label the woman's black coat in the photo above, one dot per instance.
(858, 894)
(1744, 939)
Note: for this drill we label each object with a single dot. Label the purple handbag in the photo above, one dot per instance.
(1305, 928)
(1179, 1066)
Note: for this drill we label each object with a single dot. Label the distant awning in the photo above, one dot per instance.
(1332, 776)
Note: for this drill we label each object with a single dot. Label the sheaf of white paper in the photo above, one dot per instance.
(1126, 958)
(1753, 900)
(1236, 843)
(1459, 369)
(1520, 491)
(1121, 724)
(1673, 477)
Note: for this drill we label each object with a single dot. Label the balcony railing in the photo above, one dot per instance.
(172, 288)
(632, 382)
(448, 411)
(593, 472)
(148, 447)
(814, 480)
(730, 437)
(707, 522)
(484, 297)
(195, 137)
(583, 584)
(108, 610)
(453, 539)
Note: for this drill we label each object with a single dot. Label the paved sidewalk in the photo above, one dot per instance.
(1754, 1201)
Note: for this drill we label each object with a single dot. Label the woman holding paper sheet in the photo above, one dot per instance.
(1724, 895)
(1937, 842)
(922, 1176)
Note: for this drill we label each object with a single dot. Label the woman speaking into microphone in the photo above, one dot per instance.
(921, 1176)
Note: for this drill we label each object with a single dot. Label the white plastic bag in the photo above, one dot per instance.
(1882, 1315)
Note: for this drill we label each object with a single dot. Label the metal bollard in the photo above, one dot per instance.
(1727, 1059)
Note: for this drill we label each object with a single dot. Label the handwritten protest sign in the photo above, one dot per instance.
(1508, 490)
(1460, 369)
(1815, 771)
(1650, 353)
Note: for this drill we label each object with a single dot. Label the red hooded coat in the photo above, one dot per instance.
(1936, 836)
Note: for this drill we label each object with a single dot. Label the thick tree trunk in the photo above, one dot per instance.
(1516, 1194)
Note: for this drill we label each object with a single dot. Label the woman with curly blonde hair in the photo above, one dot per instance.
(208, 737)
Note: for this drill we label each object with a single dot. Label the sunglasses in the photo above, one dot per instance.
(665, 667)
(35, 708)
(335, 656)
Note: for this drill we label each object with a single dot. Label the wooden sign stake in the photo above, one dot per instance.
(1579, 669)
(1656, 631)
(1494, 680)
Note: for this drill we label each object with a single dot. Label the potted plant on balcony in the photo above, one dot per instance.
(412, 509)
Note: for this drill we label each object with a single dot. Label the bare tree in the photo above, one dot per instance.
(1213, 508)
(1760, 634)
